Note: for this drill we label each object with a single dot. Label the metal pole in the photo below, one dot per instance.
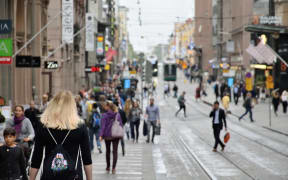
(41, 30)
(63, 44)
(270, 99)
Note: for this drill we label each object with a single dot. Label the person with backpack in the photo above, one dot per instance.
(65, 138)
(135, 118)
(107, 122)
(181, 102)
(12, 160)
(94, 125)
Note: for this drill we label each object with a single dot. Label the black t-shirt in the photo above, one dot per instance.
(76, 137)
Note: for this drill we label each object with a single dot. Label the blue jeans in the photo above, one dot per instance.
(250, 113)
(92, 132)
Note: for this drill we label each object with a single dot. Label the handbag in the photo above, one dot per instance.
(145, 129)
(226, 137)
(158, 130)
(117, 130)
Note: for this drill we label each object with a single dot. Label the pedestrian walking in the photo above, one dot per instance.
(64, 136)
(135, 117)
(94, 125)
(127, 109)
(263, 94)
(24, 130)
(166, 90)
(44, 103)
(175, 89)
(198, 93)
(78, 105)
(284, 99)
(275, 101)
(107, 121)
(32, 113)
(218, 116)
(226, 102)
(236, 90)
(12, 160)
(181, 103)
(216, 90)
(153, 119)
(124, 121)
(222, 89)
(248, 107)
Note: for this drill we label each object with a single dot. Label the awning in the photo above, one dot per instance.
(110, 54)
(266, 29)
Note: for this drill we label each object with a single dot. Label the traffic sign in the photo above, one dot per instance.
(6, 47)
(28, 62)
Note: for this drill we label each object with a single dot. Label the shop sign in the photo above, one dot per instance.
(100, 49)
(6, 47)
(67, 21)
(107, 67)
(90, 30)
(133, 72)
(277, 20)
(2, 101)
(269, 82)
(51, 64)
(5, 26)
(5, 60)
(28, 62)
(249, 84)
(230, 46)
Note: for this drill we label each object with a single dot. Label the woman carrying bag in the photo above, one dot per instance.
(111, 131)
(135, 116)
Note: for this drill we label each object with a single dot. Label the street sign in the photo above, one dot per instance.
(5, 26)
(50, 64)
(249, 86)
(5, 60)
(6, 47)
(269, 82)
(67, 21)
(28, 62)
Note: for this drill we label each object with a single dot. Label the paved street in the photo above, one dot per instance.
(184, 149)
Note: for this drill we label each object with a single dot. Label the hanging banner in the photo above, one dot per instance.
(67, 21)
(90, 30)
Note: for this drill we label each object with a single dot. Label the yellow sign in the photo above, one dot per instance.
(184, 65)
(249, 85)
(225, 70)
(133, 72)
(269, 82)
(100, 38)
(107, 67)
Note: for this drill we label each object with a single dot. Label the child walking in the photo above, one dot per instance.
(12, 160)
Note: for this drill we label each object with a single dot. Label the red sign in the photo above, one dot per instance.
(110, 54)
(95, 69)
(5, 60)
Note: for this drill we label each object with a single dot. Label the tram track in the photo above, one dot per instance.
(250, 139)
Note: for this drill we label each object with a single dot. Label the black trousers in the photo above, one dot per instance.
(236, 98)
(135, 126)
(182, 107)
(284, 104)
(108, 143)
(217, 129)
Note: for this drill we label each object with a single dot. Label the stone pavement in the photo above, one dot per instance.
(260, 111)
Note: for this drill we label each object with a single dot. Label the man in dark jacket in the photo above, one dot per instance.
(248, 107)
(218, 116)
(33, 115)
(181, 102)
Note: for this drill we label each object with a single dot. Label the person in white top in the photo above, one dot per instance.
(284, 99)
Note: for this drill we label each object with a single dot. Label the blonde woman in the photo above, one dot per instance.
(107, 120)
(62, 127)
(127, 109)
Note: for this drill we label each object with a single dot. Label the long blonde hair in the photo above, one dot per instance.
(61, 112)
(128, 106)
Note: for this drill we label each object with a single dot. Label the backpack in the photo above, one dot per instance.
(96, 120)
(59, 164)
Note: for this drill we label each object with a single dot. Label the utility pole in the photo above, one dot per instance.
(219, 34)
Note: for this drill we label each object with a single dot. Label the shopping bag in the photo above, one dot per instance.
(158, 130)
(226, 137)
(117, 130)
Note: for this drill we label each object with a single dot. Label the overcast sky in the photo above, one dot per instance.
(158, 17)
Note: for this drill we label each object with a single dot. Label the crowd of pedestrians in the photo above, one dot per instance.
(68, 126)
